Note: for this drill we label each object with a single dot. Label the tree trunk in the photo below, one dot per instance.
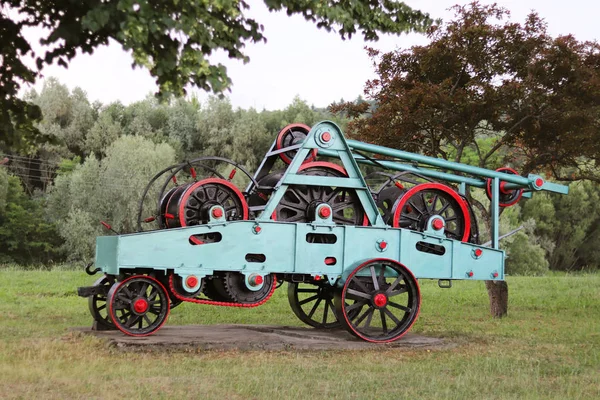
(498, 294)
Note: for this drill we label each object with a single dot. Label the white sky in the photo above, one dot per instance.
(298, 58)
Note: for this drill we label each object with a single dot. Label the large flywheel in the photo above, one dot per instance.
(190, 204)
(414, 207)
(299, 203)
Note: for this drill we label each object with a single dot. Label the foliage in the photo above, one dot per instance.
(25, 235)
(106, 190)
(571, 223)
(172, 38)
(483, 80)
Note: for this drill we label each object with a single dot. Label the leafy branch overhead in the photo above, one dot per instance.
(172, 38)
(487, 90)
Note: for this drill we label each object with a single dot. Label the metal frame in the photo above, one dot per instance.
(285, 246)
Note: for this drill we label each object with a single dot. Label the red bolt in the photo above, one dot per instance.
(257, 229)
(539, 182)
(503, 188)
(478, 252)
(140, 306)
(380, 300)
(326, 137)
(438, 224)
(399, 185)
(324, 212)
(217, 213)
(495, 274)
(383, 245)
(470, 274)
(191, 281)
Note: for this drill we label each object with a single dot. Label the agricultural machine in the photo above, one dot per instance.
(351, 247)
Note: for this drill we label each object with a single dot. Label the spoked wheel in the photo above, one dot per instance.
(289, 136)
(139, 305)
(421, 202)
(97, 303)
(299, 202)
(190, 205)
(313, 304)
(507, 197)
(387, 295)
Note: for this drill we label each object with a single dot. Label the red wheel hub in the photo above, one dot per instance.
(140, 306)
(380, 299)
(438, 224)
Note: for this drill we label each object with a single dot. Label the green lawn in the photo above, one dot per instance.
(548, 347)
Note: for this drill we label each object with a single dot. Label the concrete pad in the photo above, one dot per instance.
(257, 337)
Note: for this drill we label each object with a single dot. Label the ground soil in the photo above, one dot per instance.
(256, 337)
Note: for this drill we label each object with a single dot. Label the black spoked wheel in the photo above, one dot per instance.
(416, 206)
(387, 295)
(313, 304)
(97, 302)
(299, 202)
(139, 305)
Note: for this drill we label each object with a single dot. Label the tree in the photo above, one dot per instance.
(172, 38)
(105, 190)
(497, 90)
(26, 237)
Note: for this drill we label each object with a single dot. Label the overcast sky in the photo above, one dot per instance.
(299, 59)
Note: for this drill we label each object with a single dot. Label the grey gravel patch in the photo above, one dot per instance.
(257, 337)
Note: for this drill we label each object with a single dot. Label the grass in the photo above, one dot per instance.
(548, 347)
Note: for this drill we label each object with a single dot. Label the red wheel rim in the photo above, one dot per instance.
(488, 188)
(190, 189)
(443, 188)
(279, 144)
(345, 288)
(112, 311)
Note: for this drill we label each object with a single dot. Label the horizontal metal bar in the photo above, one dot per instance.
(396, 166)
(312, 180)
(438, 162)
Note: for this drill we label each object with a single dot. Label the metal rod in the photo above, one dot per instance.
(437, 162)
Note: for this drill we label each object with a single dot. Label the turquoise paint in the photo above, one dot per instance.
(285, 245)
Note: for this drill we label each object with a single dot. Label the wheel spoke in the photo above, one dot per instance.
(362, 317)
(394, 284)
(325, 311)
(308, 300)
(374, 277)
(356, 305)
(147, 319)
(400, 307)
(102, 307)
(383, 321)
(312, 311)
(358, 294)
(315, 290)
(392, 316)
(403, 289)
(415, 207)
(369, 318)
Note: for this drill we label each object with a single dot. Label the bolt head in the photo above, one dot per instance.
(326, 137)
(539, 182)
(478, 252)
(438, 224)
(470, 274)
(383, 245)
(191, 281)
(324, 212)
(217, 213)
(257, 229)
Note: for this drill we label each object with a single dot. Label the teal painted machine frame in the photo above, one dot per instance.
(285, 247)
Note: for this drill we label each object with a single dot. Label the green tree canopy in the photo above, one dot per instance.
(489, 85)
(172, 38)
